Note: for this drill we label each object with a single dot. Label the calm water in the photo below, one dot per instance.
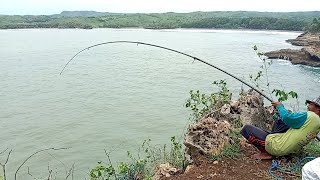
(115, 96)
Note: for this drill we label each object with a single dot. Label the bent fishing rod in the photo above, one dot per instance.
(169, 49)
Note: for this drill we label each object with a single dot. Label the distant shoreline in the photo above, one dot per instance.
(283, 21)
(90, 13)
(175, 30)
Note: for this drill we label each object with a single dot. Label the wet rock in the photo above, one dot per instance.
(308, 55)
(302, 56)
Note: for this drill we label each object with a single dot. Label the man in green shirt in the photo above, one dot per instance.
(300, 129)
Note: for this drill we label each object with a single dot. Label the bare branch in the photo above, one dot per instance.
(70, 172)
(4, 165)
(31, 174)
(50, 173)
(15, 175)
(7, 158)
(57, 160)
(108, 155)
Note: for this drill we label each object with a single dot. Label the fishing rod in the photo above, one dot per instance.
(169, 49)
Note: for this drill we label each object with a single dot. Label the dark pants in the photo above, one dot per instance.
(257, 136)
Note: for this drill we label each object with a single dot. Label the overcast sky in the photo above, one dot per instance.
(46, 7)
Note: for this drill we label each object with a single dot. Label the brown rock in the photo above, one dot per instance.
(225, 109)
(210, 135)
(308, 55)
(164, 170)
(234, 104)
(188, 168)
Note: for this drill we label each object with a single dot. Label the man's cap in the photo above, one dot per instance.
(316, 101)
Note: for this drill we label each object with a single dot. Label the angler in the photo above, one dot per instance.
(303, 126)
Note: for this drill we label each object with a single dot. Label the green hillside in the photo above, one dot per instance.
(296, 21)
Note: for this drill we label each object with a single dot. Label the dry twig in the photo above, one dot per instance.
(16, 173)
(5, 163)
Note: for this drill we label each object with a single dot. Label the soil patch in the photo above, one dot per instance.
(242, 167)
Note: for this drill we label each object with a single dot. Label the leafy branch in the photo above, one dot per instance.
(263, 72)
(283, 95)
(201, 104)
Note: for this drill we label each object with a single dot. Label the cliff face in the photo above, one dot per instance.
(308, 55)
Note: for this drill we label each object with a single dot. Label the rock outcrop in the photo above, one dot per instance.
(164, 170)
(308, 55)
(208, 136)
(211, 134)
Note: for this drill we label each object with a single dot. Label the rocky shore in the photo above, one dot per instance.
(308, 55)
(210, 137)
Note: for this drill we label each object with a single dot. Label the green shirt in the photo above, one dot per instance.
(303, 128)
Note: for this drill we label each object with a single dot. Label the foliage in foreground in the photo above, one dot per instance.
(231, 151)
(202, 104)
(313, 148)
(261, 80)
(141, 166)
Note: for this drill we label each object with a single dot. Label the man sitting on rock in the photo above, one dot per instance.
(288, 136)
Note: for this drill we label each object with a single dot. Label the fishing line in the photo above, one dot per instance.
(169, 49)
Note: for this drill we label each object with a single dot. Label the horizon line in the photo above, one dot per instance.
(157, 12)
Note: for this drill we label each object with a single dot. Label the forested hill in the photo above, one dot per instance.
(297, 21)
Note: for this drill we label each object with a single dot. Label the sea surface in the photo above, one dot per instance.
(113, 97)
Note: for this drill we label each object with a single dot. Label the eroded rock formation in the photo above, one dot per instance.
(308, 55)
(211, 134)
